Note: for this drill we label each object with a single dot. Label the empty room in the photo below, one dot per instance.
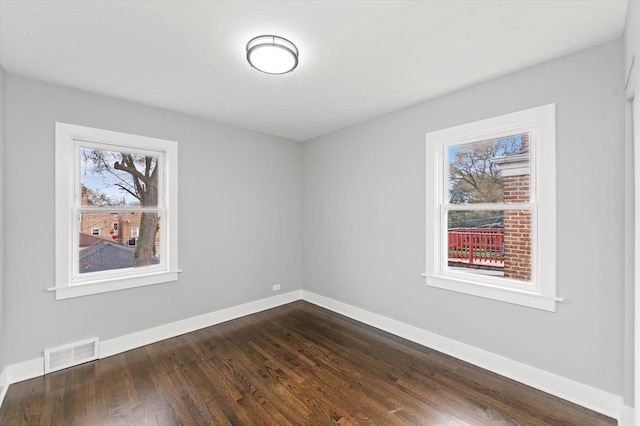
(319, 212)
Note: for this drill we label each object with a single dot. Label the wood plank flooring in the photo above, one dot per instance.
(297, 364)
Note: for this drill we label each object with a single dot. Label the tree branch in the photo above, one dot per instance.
(121, 186)
(128, 166)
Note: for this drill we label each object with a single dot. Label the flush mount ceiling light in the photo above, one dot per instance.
(272, 54)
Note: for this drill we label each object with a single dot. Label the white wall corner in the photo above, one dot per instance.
(3, 393)
(4, 385)
(15, 373)
(24, 370)
(626, 416)
(4, 379)
(589, 397)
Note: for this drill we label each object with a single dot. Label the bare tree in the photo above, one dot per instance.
(136, 175)
(475, 178)
(99, 198)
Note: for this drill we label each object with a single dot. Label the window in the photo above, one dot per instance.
(490, 212)
(126, 185)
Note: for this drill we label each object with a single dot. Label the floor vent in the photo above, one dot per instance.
(69, 355)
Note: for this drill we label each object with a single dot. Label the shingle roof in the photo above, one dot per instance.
(106, 255)
(87, 240)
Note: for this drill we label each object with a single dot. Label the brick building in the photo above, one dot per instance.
(121, 226)
(517, 223)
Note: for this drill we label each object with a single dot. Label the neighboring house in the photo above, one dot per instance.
(87, 240)
(124, 226)
(106, 255)
(99, 224)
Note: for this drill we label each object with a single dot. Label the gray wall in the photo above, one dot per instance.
(362, 194)
(364, 210)
(2, 239)
(239, 219)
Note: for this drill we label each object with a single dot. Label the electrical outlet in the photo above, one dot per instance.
(276, 287)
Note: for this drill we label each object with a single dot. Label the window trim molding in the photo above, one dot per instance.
(66, 136)
(541, 294)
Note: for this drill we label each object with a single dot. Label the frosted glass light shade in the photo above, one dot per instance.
(272, 54)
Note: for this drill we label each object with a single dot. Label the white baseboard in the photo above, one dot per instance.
(626, 418)
(3, 393)
(4, 381)
(603, 402)
(25, 370)
(15, 373)
(4, 384)
(578, 393)
(167, 331)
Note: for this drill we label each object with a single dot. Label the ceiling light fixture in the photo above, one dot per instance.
(272, 54)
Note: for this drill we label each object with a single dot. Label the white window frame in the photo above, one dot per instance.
(136, 233)
(70, 284)
(93, 231)
(540, 292)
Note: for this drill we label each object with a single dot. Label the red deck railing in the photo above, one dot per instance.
(481, 246)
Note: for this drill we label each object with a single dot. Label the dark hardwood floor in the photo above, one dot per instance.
(297, 364)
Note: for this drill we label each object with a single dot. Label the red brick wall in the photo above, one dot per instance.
(524, 139)
(517, 230)
(103, 221)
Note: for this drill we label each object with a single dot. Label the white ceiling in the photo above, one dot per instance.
(358, 59)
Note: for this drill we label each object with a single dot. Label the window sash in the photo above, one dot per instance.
(78, 278)
(532, 128)
(80, 143)
(442, 250)
(489, 206)
(444, 205)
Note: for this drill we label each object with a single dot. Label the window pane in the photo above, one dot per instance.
(490, 242)
(125, 240)
(491, 171)
(111, 178)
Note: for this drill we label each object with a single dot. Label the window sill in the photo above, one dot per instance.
(514, 296)
(104, 286)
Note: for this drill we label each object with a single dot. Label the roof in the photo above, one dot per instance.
(107, 255)
(87, 240)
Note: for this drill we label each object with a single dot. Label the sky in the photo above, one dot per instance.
(105, 181)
